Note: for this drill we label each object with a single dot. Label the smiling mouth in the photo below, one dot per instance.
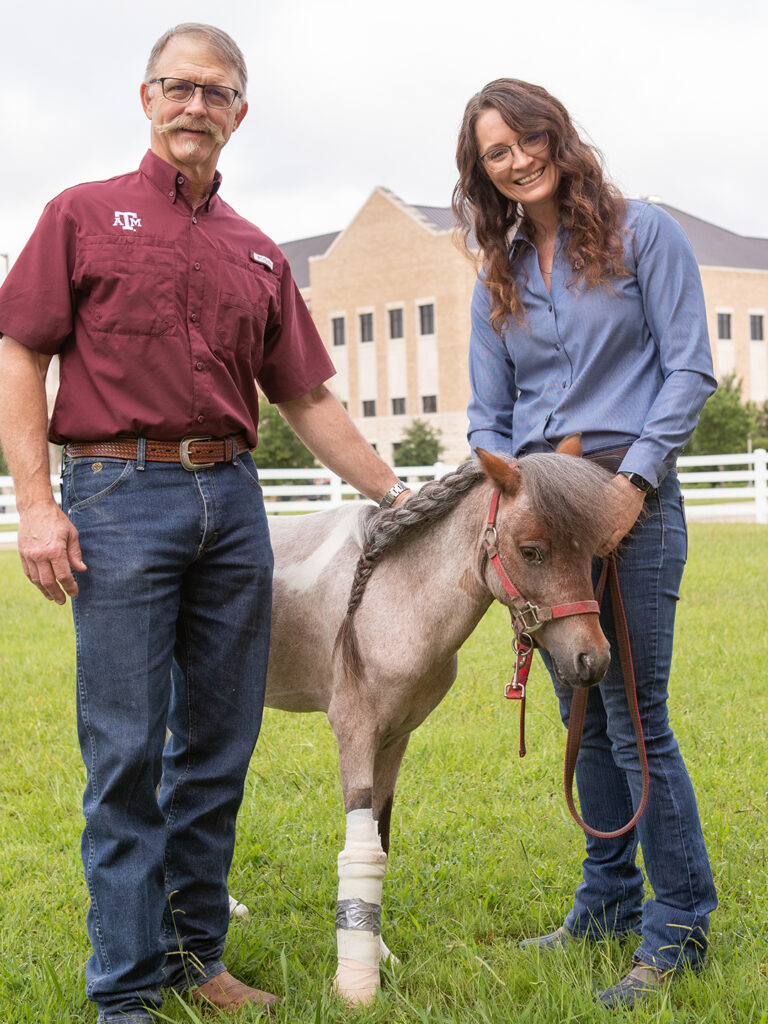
(530, 177)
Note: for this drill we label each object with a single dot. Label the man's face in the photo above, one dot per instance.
(190, 135)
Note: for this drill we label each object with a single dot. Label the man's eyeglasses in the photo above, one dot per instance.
(500, 158)
(220, 97)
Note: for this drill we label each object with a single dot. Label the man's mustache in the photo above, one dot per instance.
(195, 124)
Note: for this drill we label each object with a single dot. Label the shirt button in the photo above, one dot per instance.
(557, 348)
(194, 220)
(171, 195)
(198, 365)
(197, 266)
(179, 180)
(193, 318)
(565, 383)
(549, 309)
(201, 419)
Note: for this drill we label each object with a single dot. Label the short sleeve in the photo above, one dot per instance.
(36, 299)
(295, 358)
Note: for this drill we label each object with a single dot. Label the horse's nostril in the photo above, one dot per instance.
(590, 667)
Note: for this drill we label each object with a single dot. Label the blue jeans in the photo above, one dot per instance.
(674, 921)
(172, 629)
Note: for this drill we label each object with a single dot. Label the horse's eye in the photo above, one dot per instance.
(531, 555)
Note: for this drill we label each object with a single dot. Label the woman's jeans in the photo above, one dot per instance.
(172, 629)
(674, 920)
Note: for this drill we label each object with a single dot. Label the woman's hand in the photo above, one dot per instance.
(630, 508)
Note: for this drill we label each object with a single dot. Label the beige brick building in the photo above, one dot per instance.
(390, 296)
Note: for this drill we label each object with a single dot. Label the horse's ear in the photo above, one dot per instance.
(570, 445)
(507, 478)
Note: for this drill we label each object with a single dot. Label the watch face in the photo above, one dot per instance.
(640, 482)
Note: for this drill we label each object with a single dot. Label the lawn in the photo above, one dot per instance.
(484, 851)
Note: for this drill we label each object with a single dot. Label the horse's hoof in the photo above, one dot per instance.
(237, 909)
(386, 955)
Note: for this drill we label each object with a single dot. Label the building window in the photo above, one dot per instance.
(724, 326)
(369, 408)
(756, 327)
(398, 407)
(429, 403)
(396, 323)
(366, 327)
(339, 330)
(427, 319)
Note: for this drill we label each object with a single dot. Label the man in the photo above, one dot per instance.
(163, 305)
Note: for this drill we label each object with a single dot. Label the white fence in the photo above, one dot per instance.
(715, 487)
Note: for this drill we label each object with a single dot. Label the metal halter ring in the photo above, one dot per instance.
(522, 642)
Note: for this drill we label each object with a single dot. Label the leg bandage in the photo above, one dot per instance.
(362, 864)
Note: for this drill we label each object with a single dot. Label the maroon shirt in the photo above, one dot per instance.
(162, 315)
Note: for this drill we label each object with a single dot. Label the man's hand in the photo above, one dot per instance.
(49, 549)
(631, 506)
(48, 544)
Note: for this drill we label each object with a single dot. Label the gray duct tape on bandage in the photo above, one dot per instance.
(358, 915)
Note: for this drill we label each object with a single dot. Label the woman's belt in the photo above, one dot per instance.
(610, 459)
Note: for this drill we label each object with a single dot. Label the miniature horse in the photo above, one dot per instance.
(370, 608)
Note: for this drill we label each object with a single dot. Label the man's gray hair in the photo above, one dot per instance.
(217, 40)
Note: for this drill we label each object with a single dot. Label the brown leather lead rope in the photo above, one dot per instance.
(579, 707)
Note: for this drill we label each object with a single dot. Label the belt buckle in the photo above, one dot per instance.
(192, 467)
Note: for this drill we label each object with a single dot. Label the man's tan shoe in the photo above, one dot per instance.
(225, 992)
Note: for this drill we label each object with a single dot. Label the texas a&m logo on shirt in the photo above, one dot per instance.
(127, 221)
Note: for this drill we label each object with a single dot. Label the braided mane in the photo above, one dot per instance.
(572, 496)
(383, 531)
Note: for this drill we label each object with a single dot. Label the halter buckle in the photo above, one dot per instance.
(527, 619)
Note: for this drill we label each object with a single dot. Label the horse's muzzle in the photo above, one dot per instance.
(585, 669)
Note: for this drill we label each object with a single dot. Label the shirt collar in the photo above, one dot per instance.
(171, 182)
(521, 241)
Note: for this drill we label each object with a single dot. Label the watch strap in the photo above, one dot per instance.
(392, 493)
(638, 481)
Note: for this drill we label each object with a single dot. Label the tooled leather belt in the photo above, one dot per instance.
(192, 452)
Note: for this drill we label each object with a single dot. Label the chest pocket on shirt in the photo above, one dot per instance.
(245, 294)
(127, 287)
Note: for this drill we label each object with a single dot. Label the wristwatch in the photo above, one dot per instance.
(638, 481)
(392, 493)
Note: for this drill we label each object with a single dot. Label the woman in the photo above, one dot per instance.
(588, 316)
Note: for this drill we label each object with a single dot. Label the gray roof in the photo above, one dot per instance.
(297, 253)
(717, 247)
(440, 216)
(714, 246)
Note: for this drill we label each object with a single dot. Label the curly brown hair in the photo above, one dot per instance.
(591, 207)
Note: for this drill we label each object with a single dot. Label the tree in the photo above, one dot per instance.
(420, 445)
(760, 434)
(725, 424)
(3, 464)
(279, 447)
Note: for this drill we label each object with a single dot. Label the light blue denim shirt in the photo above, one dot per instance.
(624, 364)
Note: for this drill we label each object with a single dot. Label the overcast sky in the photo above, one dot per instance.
(345, 96)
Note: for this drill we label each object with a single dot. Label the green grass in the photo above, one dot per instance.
(484, 852)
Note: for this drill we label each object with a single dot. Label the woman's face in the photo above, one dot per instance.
(530, 180)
